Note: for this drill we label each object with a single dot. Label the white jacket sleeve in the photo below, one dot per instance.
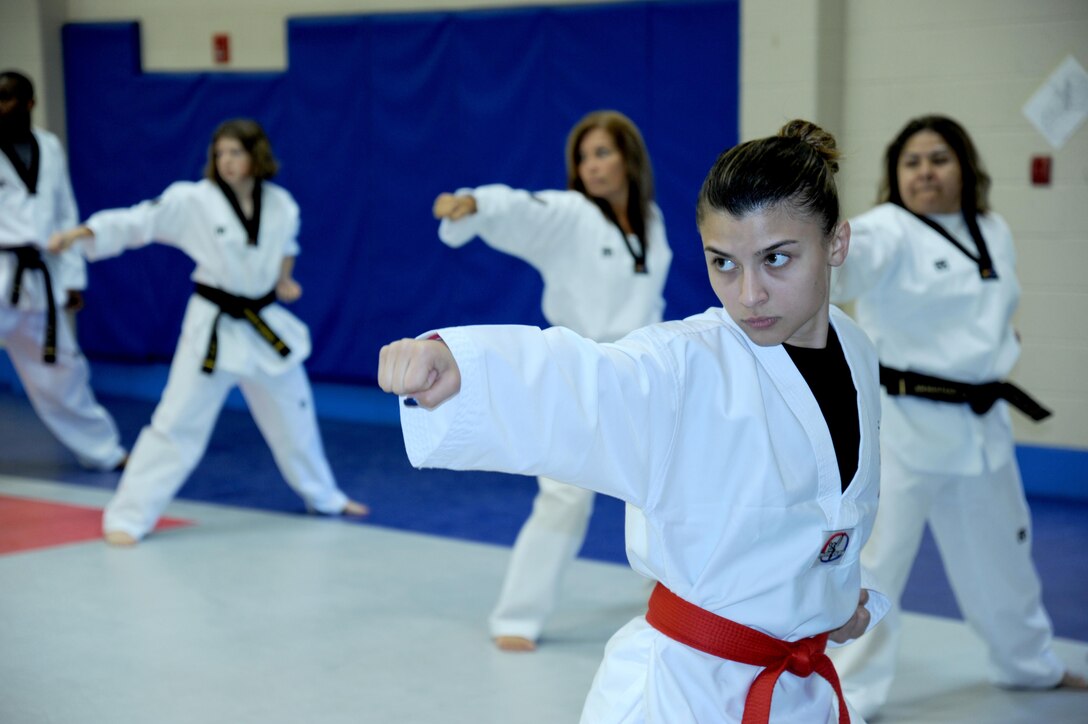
(163, 219)
(71, 272)
(532, 402)
(291, 247)
(875, 239)
(530, 226)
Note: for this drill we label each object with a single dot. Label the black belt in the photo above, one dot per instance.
(239, 308)
(27, 258)
(980, 397)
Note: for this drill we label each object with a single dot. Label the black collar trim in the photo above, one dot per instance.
(28, 175)
(637, 254)
(985, 264)
(253, 224)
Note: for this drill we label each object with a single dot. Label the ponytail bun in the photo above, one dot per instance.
(820, 140)
(795, 168)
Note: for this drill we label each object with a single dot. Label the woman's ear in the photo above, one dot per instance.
(840, 244)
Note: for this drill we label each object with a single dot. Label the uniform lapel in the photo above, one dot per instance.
(28, 174)
(867, 446)
(799, 398)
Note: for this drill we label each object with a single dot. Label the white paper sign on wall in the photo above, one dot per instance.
(1060, 106)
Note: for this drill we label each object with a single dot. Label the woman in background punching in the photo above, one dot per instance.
(241, 230)
(601, 249)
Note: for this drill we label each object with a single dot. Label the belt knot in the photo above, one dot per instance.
(803, 657)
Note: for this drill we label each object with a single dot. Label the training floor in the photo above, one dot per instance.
(248, 610)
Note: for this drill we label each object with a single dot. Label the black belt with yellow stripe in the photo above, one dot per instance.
(238, 308)
(980, 397)
(29, 258)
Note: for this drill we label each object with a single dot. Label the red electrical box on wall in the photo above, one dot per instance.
(1040, 170)
(221, 48)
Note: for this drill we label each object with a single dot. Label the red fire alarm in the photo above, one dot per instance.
(1040, 170)
(221, 48)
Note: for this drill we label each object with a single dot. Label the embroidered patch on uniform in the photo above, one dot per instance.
(834, 546)
(941, 265)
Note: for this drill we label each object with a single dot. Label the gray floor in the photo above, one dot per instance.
(270, 618)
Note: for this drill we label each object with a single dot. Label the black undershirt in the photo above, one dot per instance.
(828, 376)
(25, 151)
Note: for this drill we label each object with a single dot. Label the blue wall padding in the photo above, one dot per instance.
(374, 116)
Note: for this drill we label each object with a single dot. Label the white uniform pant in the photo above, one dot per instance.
(982, 527)
(547, 543)
(170, 447)
(61, 393)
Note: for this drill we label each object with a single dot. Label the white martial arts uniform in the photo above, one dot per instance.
(198, 219)
(729, 471)
(590, 286)
(928, 310)
(60, 392)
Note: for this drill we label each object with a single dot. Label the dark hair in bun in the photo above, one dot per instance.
(795, 167)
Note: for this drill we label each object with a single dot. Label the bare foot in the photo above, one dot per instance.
(355, 510)
(1072, 681)
(119, 538)
(514, 643)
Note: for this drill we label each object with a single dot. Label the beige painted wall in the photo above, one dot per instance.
(23, 47)
(861, 68)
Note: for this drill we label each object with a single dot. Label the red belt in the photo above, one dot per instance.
(700, 629)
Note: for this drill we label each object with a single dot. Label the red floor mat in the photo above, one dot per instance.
(27, 524)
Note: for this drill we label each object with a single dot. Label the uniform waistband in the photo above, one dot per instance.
(712, 634)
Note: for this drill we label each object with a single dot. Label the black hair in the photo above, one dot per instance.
(21, 86)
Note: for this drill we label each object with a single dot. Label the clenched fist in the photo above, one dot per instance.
(857, 624)
(421, 368)
(448, 206)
